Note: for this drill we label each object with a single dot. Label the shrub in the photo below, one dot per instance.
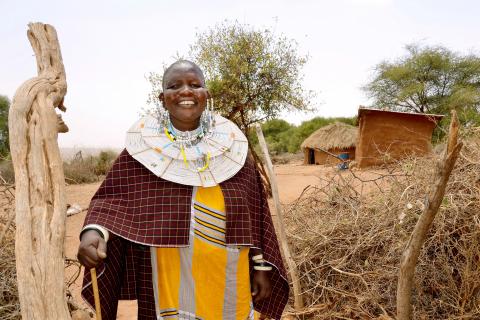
(104, 162)
(80, 171)
(6, 171)
(89, 170)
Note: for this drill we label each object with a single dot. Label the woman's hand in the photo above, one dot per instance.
(261, 286)
(92, 249)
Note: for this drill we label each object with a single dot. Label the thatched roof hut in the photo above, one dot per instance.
(336, 138)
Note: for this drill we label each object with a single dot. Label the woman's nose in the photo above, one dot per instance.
(186, 90)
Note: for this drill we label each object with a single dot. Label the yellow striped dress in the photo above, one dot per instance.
(207, 280)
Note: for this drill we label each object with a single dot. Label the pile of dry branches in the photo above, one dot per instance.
(9, 304)
(347, 237)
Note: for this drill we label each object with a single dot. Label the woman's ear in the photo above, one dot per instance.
(208, 94)
(160, 96)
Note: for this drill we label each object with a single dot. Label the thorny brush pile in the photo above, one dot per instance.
(9, 301)
(348, 235)
(9, 305)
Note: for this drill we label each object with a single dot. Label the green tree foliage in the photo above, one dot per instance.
(252, 75)
(276, 134)
(428, 80)
(282, 136)
(4, 106)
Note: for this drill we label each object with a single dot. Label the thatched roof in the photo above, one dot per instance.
(336, 135)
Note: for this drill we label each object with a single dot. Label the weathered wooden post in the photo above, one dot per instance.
(292, 266)
(40, 203)
(408, 263)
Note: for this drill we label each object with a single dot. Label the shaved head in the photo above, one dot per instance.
(187, 65)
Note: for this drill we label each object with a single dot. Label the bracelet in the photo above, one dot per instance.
(262, 268)
(91, 228)
(257, 257)
(99, 229)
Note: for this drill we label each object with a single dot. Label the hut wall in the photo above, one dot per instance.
(385, 137)
(306, 156)
(326, 159)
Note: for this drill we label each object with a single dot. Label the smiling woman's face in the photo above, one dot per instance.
(184, 96)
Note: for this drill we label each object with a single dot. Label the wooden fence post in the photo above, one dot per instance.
(40, 204)
(292, 266)
(434, 198)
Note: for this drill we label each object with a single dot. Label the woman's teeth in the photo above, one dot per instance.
(187, 103)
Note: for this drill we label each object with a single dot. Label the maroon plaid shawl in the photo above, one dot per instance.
(144, 210)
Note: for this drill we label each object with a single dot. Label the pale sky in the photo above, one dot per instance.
(108, 47)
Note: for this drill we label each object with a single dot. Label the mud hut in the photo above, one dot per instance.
(385, 136)
(334, 139)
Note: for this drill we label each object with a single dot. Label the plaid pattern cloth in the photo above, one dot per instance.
(144, 210)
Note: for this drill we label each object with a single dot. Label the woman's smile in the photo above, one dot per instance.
(184, 97)
(187, 103)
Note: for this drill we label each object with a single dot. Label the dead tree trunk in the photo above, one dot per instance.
(434, 199)
(40, 203)
(292, 266)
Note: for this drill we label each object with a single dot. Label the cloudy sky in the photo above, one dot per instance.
(110, 46)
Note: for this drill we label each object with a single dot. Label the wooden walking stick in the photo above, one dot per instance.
(96, 296)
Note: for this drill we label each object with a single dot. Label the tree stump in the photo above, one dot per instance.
(40, 185)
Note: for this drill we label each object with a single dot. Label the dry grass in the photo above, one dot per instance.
(285, 158)
(9, 305)
(348, 242)
(9, 302)
(89, 169)
(347, 238)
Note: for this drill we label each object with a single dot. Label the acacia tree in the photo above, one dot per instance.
(252, 75)
(428, 80)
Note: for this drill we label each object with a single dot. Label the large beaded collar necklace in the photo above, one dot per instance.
(206, 156)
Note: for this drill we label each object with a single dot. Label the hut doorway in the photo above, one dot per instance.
(311, 156)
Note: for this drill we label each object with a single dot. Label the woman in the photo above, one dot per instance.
(181, 222)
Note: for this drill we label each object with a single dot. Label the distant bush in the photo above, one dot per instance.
(104, 162)
(89, 170)
(80, 171)
(76, 171)
(282, 136)
(6, 171)
(287, 157)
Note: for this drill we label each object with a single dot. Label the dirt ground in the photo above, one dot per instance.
(292, 179)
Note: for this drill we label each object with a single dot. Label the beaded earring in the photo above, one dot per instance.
(162, 116)
(207, 120)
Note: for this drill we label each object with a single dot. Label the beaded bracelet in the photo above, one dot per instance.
(262, 267)
(258, 257)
